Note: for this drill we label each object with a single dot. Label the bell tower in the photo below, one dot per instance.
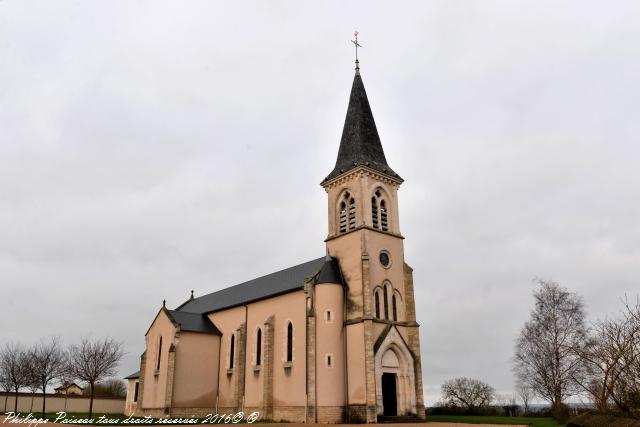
(364, 235)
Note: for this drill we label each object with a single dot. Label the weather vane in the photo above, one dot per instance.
(355, 42)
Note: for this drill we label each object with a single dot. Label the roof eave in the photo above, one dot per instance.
(328, 181)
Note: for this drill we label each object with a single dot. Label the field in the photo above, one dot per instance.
(471, 419)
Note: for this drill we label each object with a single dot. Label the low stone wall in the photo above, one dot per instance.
(57, 403)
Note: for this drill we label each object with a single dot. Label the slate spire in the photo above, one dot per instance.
(360, 143)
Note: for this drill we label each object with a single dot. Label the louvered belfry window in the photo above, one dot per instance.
(374, 213)
(383, 216)
(352, 213)
(347, 219)
(343, 217)
(379, 213)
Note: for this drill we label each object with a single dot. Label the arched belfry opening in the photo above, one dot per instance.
(379, 211)
(347, 212)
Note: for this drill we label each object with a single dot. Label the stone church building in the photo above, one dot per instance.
(333, 339)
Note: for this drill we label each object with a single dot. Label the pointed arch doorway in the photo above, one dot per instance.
(389, 395)
(395, 382)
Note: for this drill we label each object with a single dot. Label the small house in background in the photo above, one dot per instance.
(131, 404)
(70, 388)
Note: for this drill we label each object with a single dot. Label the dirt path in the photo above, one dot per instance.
(430, 424)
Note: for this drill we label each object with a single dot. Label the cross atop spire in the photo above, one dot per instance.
(357, 45)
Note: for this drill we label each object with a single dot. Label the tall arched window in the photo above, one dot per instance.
(259, 347)
(376, 298)
(290, 342)
(379, 208)
(232, 349)
(394, 308)
(159, 353)
(386, 302)
(347, 215)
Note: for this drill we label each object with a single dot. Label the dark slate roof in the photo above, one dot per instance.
(360, 143)
(193, 322)
(133, 376)
(330, 272)
(280, 282)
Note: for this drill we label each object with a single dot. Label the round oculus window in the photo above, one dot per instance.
(385, 260)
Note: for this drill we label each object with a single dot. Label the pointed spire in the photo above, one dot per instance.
(360, 143)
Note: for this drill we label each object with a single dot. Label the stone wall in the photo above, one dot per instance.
(56, 403)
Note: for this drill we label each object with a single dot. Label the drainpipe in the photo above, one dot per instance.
(246, 340)
(346, 364)
(219, 373)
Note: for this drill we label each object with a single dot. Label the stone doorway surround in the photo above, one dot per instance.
(393, 356)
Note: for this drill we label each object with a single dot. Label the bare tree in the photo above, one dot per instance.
(66, 376)
(526, 394)
(5, 385)
(545, 357)
(48, 362)
(468, 393)
(31, 381)
(13, 364)
(92, 361)
(629, 386)
(606, 356)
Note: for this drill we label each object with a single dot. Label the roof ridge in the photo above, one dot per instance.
(281, 281)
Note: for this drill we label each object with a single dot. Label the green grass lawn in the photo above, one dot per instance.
(472, 419)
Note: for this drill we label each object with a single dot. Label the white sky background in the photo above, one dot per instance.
(150, 148)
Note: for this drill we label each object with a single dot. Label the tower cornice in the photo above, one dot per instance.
(360, 171)
(365, 227)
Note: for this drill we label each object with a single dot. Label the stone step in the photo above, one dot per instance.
(399, 419)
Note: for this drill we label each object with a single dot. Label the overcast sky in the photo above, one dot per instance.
(151, 148)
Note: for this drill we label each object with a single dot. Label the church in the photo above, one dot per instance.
(331, 340)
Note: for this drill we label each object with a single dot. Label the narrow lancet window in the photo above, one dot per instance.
(386, 302)
(394, 308)
(376, 298)
(290, 342)
(259, 347)
(159, 353)
(232, 349)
